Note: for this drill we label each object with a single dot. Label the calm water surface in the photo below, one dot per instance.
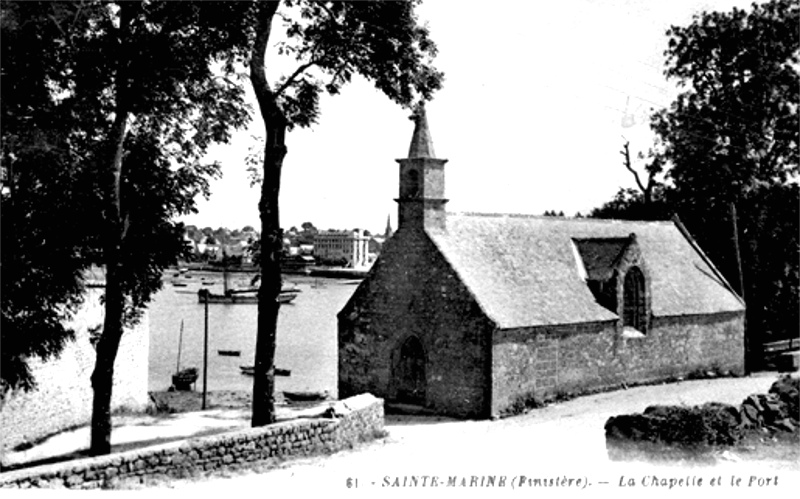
(306, 342)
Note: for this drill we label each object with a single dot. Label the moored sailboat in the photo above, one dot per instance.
(244, 295)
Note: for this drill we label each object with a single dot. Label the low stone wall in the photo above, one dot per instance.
(350, 421)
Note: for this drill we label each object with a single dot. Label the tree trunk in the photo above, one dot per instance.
(271, 236)
(108, 344)
(268, 305)
(103, 375)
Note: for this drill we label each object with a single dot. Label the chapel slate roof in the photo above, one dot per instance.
(524, 271)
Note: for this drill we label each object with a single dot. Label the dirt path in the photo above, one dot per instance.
(561, 440)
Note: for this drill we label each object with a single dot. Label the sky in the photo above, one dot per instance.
(538, 99)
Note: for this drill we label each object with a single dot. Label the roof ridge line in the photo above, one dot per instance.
(566, 219)
(685, 232)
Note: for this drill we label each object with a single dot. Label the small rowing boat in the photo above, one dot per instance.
(229, 353)
(306, 396)
(251, 370)
(184, 379)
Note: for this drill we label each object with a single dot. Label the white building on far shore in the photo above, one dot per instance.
(348, 248)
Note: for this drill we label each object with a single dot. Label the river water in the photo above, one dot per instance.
(306, 338)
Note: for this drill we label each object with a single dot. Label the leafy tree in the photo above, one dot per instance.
(330, 42)
(42, 264)
(254, 250)
(222, 235)
(193, 233)
(630, 204)
(654, 166)
(730, 144)
(649, 200)
(158, 69)
(732, 139)
(139, 103)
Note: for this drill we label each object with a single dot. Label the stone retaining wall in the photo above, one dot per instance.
(350, 421)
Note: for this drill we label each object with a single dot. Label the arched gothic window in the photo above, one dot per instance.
(634, 310)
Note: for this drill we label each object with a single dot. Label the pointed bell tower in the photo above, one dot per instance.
(421, 204)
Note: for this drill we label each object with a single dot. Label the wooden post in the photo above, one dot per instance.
(736, 247)
(205, 351)
(180, 344)
(747, 354)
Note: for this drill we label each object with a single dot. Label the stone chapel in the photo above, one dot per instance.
(472, 315)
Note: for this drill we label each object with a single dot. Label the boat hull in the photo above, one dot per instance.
(183, 380)
(251, 370)
(237, 298)
(305, 396)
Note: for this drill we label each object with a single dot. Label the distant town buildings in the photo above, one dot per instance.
(216, 245)
(304, 247)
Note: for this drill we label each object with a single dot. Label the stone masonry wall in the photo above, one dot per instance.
(63, 398)
(412, 290)
(361, 420)
(542, 363)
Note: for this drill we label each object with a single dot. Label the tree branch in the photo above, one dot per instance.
(338, 72)
(294, 76)
(328, 11)
(264, 95)
(627, 155)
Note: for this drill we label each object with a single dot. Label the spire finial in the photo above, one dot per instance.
(421, 143)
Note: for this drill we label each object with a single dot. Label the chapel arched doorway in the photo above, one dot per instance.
(409, 372)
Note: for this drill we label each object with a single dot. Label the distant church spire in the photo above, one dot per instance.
(421, 142)
(388, 232)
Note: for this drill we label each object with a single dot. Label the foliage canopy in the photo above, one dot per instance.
(730, 141)
(67, 70)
